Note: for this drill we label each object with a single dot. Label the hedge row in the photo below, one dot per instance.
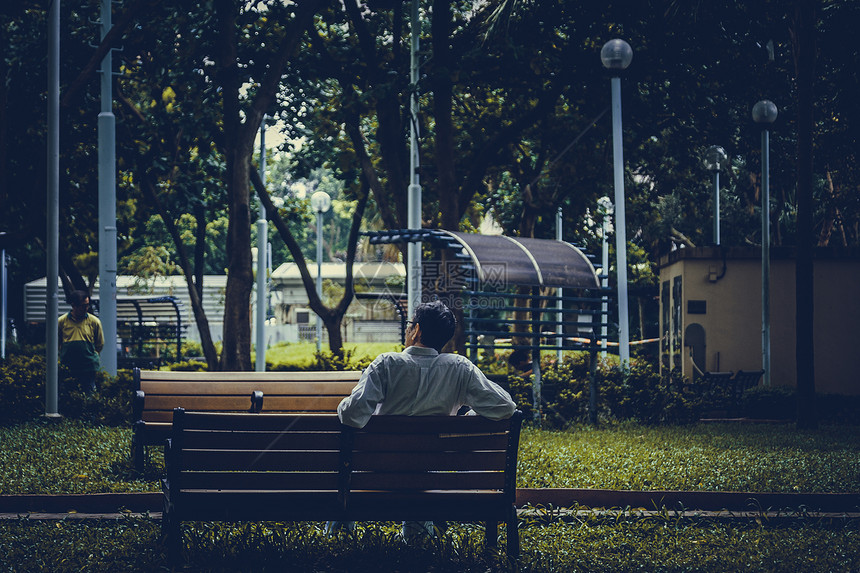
(640, 394)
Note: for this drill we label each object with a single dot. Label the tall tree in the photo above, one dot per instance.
(803, 41)
(235, 27)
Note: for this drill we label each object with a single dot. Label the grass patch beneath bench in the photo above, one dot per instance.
(594, 544)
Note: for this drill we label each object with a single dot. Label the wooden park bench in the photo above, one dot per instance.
(157, 393)
(275, 467)
(728, 387)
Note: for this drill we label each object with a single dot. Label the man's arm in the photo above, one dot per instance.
(356, 409)
(487, 398)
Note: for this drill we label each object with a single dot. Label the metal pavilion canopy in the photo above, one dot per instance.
(528, 323)
(498, 259)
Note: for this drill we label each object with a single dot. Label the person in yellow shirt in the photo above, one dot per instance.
(81, 340)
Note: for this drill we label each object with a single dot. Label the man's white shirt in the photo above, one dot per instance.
(420, 381)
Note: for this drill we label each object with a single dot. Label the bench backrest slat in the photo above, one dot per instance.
(421, 462)
(262, 440)
(431, 442)
(262, 422)
(298, 404)
(262, 481)
(311, 376)
(244, 387)
(258, 460)
(198, 403)
(428, 481)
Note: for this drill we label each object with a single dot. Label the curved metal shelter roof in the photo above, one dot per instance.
(508, 260)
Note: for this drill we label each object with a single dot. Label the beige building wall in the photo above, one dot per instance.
(725, 299)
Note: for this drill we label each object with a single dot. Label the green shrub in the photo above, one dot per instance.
(773, 403)
(22, 393)
(22, 388)
(188, 366)
(641, 395)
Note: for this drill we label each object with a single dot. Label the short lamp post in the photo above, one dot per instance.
(764, 113)
(605, 211)
(714, 158)
(320, 202)
(616, 56)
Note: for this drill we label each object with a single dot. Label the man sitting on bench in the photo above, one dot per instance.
(422, 381)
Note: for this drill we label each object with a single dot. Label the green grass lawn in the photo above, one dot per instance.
(74, 457)
(591, 544)
(301, 354)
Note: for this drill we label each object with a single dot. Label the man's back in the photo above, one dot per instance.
(423, 382)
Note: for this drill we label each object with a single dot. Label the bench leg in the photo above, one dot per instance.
(171, 529)
(491, 537)
(138, 450)
(513, 534)
(137, 453)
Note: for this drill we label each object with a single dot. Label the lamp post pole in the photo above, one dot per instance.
(320, 201)
(606, 213)
(559, 304)
(53, 209)
(714, 157)
(764, 113)
(107, 204)
(616, 55)
(413, 248)
(262, 240)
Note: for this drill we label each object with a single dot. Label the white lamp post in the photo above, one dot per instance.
(262, 240)
(414, 194)
(764, 113)
(320, 202)
(616, 55)
(715, 156)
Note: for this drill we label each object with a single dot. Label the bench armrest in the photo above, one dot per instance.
(256, 402)
(137, 404)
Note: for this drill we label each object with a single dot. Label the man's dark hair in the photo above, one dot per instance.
(437, 323)
(77, 297)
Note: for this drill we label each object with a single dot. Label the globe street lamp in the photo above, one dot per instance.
(764, 113)
(616, 55)
(320, 202)
(715, 156)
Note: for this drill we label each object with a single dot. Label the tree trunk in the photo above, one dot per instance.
(804, 57)
(236, 349)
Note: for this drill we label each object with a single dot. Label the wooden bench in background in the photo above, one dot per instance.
(157, 393)
(727, 388)
(269, 467)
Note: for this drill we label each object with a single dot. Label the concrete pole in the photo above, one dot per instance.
(620, 227)
(717, 207)
(413, 253)
(53, 208)
(558, 303)
(107, 204)
(262, 267)
(4, 284)
(765, 256)
(604, 282)
(319, 275)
